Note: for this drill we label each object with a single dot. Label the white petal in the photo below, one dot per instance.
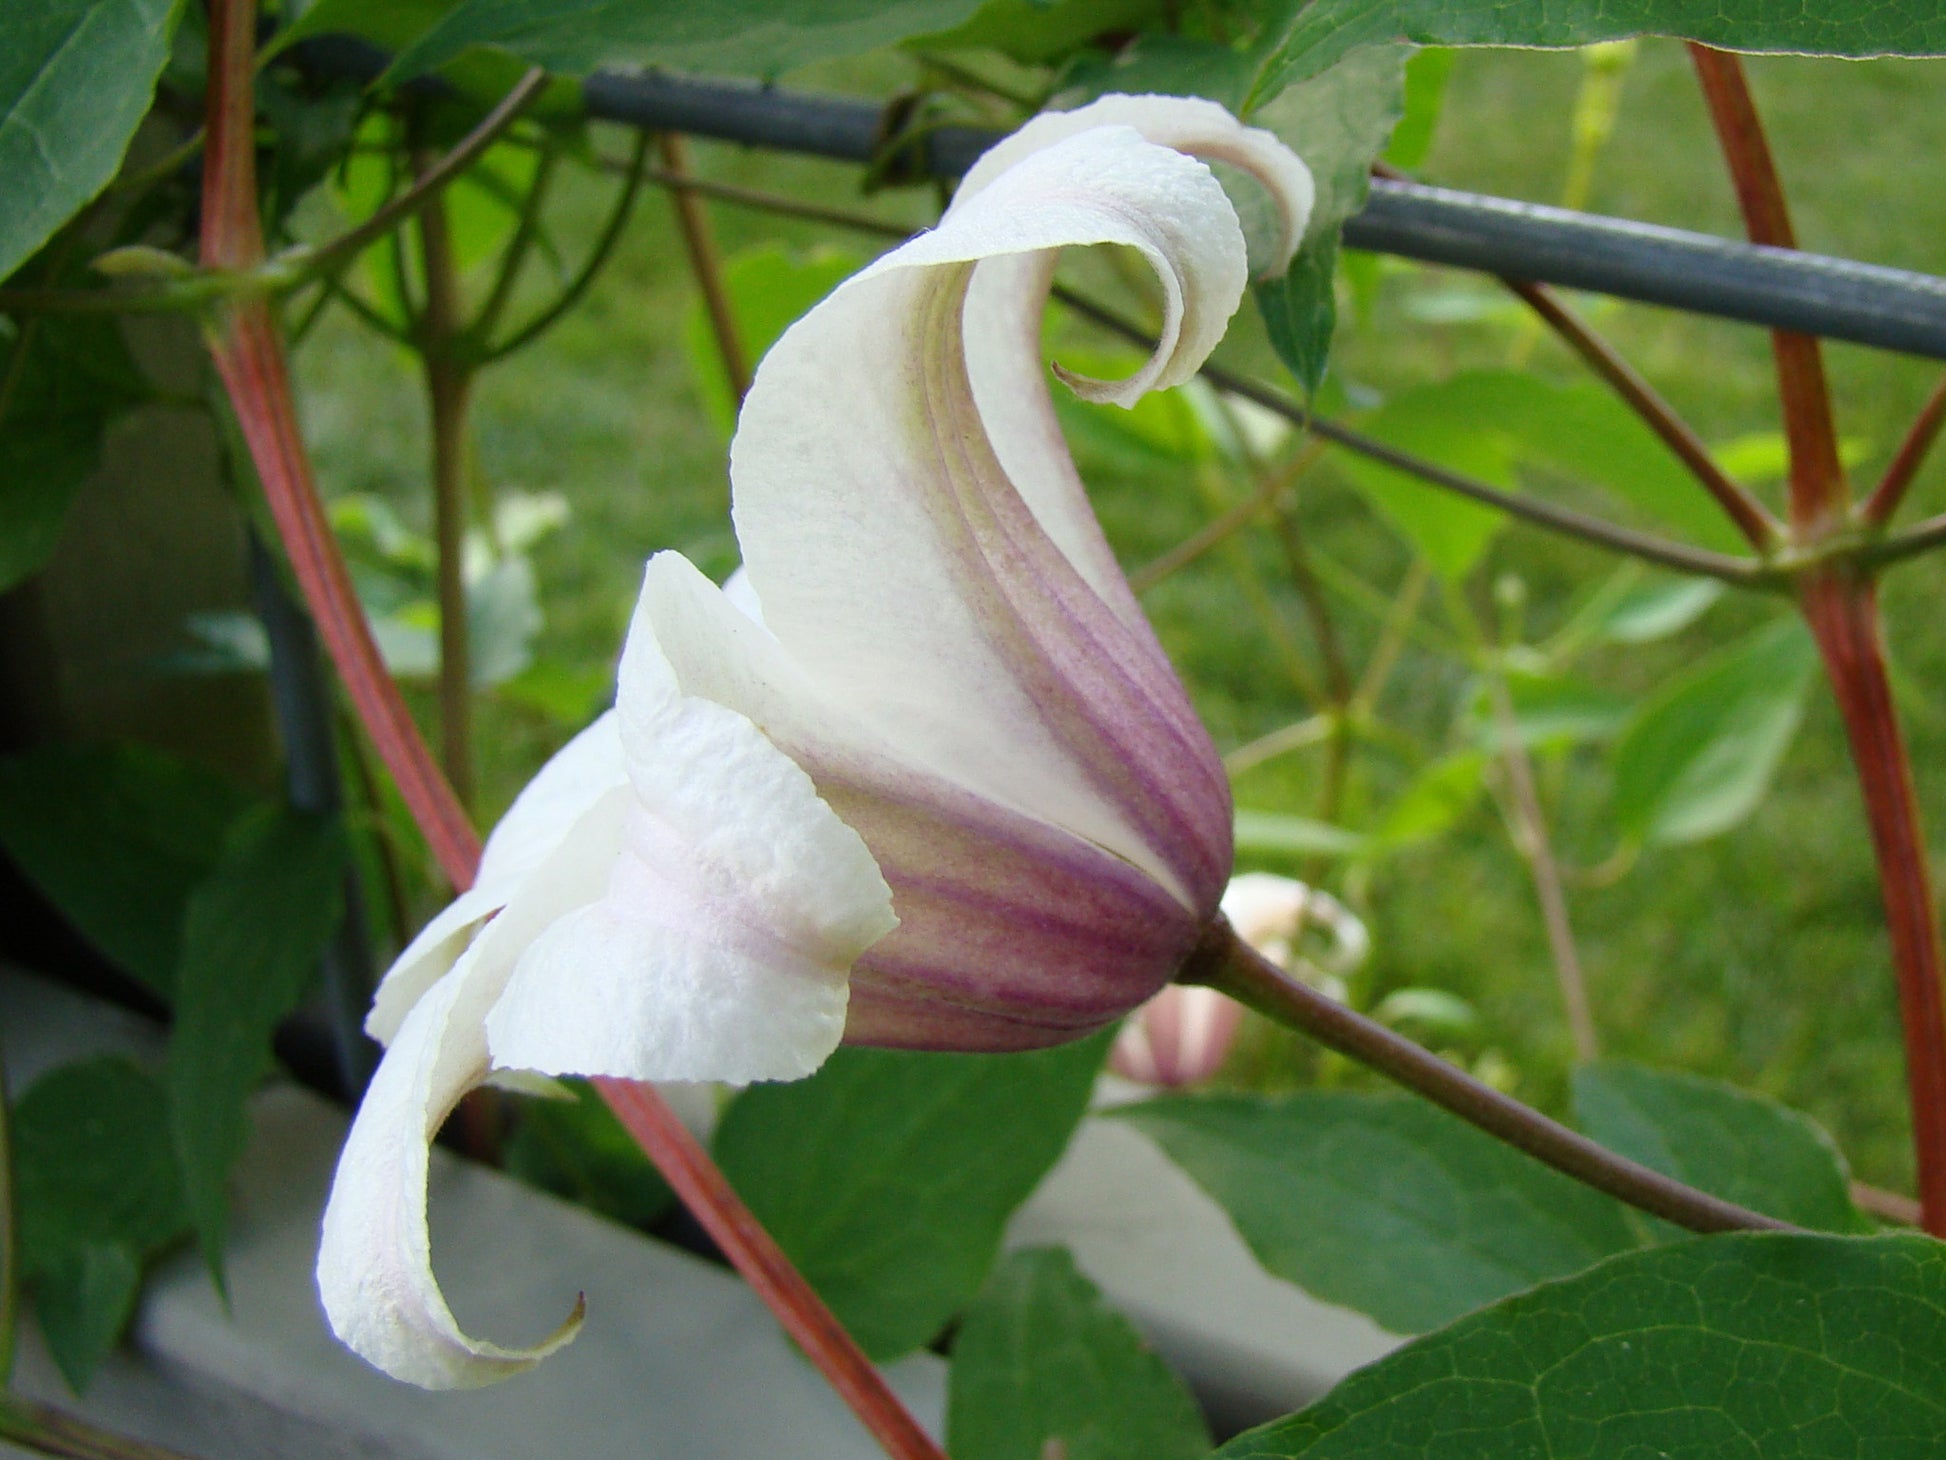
(374, 1261)
(580, 773)
(1188, 124)
(734, 910)
(916, 585)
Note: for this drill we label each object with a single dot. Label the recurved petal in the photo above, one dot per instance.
(579, 774)
(1188, 124)
(919, 588)
(375, 1259)
(736, 905)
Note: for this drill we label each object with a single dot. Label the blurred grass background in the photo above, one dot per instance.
(1758, 957)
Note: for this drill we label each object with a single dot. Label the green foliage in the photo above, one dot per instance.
(1655, 611)
(749, 37)
(1041, 1361)
(98, 1193)
(1762, 1347)
(69, 380)
(574, 1147)
(1426, 76)
(770, 289)
(887, 1177)
(117, 837)
(1277, 833)
(252, 934)
(75, 80)
(1382, 1202)
(1726, 1141)
(1317, 34)
(1338, 122)
(1036, 32)
(1699, 755)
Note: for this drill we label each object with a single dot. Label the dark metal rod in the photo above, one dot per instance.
(1867, 304)
(1893, 309)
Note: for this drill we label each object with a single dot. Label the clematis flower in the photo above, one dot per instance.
(933, 784)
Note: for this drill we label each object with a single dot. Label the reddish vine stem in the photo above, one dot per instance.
(249, 357)
(703, 1189)
(699, 242)
(1843, 614)
(1893, 486)
(1752, 518)
(1817, 488)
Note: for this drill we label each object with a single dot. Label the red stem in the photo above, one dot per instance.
(1843, 614)
(1898, 478)
(250, 358)
(703, 1189)
(1817, 489)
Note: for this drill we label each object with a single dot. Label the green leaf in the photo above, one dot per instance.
(93, 1164)
(1276, 832)
(1300, 311)
(75, 378)
(1744, 1347)
(1728, 1142)
(577, 1149)
(83, 1302)
(748, 37)
(1035, 32)
(770, 289)
(1658, 610)
(1041, 1361)
(1550, 712)
(1319, 33)
(98, 1192)
(1382, 1202)
(252, 936)
(75, 80)
(888, 1176)
(1435, 799)
(1700, 754)
(1426, 76)
(115, 837)
(1338, 122)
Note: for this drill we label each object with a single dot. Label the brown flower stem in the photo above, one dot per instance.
(1887, 1206)
(449, 391)
(1752, 518)
(49, 1431)
(1817, 487)
(1898, 478)
(699, 242)
(755, 1253)
(249, 357)
(1843, 615)
(1226, 962)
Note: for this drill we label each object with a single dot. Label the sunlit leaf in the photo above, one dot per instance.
(75, 81)
(1699, 754)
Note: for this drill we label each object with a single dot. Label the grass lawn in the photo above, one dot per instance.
(1758, 957)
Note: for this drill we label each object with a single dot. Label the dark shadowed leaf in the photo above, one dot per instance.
(98, 1192)
(252, 935)
(1752, 1346)
(747, 37)
(75, 79)
(887, 1176)
(75, 378)
(1382, 1202)
(116, 837)
(1739, 1146)
(1041, 1361)
(575, 1148)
